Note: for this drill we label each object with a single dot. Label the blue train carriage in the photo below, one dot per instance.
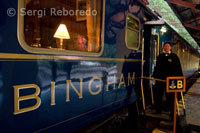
(66, 63)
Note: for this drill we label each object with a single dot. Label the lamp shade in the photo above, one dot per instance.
(62, 32)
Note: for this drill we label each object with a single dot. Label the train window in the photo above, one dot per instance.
(71, 27)
(132, 32)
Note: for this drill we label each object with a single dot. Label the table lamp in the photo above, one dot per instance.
(62, 33)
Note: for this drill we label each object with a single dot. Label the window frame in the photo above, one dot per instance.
(26, 47)
(136, 18)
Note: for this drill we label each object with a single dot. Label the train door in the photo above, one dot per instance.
(154, 48)
(147, 60)
(151, 51)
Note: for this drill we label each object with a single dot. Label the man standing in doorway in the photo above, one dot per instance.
(167, 65)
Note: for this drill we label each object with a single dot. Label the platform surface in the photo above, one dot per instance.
(192, 103)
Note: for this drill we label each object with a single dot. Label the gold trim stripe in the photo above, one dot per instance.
(29, 57)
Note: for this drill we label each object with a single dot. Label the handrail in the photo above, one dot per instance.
(150, 78)
(183, 100)
(152, 99)
(152, 96)
(143, 100)
(178, 112)
(142, 89)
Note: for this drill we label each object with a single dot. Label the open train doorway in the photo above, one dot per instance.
(152, 48)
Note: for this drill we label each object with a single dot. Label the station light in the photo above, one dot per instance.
(163, 29)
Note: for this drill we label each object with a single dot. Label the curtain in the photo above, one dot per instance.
(93, 25)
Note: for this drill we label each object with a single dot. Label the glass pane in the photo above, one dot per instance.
(132, 38)
(132, 23)
(63, 24)
(132, 32)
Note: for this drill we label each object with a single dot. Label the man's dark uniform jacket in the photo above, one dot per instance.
(167, 65)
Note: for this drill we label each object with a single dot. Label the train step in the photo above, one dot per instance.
(166, 124)
(152, 113)
(160, 130)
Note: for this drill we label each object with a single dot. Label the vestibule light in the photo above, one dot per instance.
(163, 29)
